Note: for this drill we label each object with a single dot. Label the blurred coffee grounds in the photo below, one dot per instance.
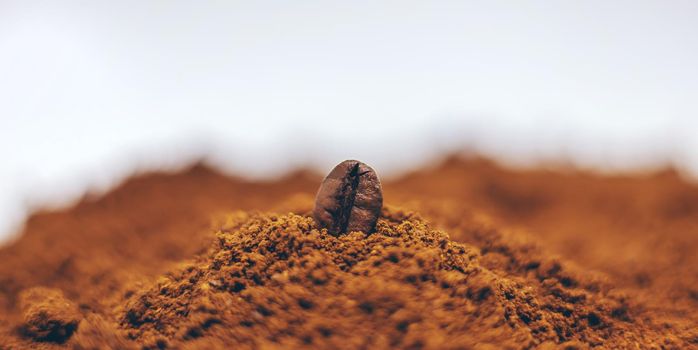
(466, 254)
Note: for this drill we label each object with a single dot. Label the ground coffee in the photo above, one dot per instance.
(532, 259)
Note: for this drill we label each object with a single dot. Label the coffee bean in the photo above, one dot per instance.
(349, 199)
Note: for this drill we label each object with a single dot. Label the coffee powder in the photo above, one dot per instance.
(465, 255)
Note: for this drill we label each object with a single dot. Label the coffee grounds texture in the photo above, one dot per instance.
(465, 255)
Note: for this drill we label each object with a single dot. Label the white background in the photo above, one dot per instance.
(91, 90)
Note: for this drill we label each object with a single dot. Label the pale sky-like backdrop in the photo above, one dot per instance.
(92, 90)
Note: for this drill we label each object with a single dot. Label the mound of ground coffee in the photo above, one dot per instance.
(277, 281)
(47, 315)
(472, 256)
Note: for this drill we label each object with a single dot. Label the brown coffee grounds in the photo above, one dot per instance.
(47, 315)
(535, 259)
(277, 282)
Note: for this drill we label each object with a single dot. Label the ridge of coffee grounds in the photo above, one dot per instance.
(274, 281)
(616, 250)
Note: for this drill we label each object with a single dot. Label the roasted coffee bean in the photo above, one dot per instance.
(349, 199)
